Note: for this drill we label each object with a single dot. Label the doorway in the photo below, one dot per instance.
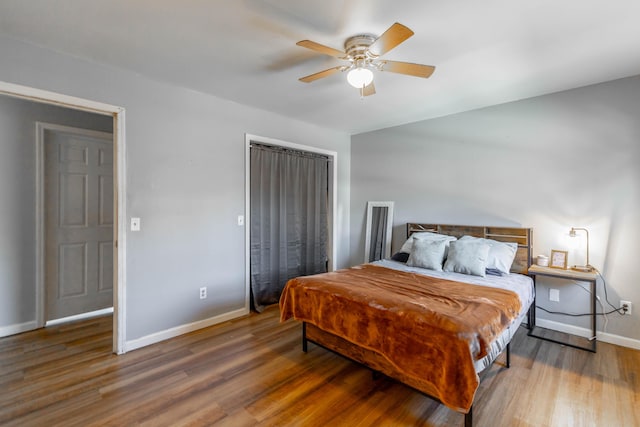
(118, 211)
(78, 221)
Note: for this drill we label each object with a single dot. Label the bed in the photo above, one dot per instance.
(432, 330)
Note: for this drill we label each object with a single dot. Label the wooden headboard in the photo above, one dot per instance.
(521, 236)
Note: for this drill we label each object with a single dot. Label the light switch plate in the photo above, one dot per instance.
(135, 224)
(554, 295)
(240, 220)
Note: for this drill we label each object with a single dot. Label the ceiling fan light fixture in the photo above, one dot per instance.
(360, 77)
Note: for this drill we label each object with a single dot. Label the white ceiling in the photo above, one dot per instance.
(485, 52)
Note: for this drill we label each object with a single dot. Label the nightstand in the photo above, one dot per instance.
(558, 273)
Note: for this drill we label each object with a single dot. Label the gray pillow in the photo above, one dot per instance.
(467, 257)
(501, 254)
(427, 254)
(424, 235)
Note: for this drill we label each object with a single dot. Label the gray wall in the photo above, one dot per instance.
(551, 162)
(185, 179)
(18, 196)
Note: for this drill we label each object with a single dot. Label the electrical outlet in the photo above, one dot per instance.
(203, 292)
(554, 295)
(625, 306)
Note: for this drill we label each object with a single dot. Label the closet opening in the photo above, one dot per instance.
(290, 210)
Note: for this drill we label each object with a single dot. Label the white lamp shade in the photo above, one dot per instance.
(360, 77)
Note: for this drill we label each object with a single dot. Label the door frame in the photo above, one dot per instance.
(41, 127)
(332, 209)
(119, 195)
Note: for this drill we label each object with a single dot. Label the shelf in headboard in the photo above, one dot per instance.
(521, 236)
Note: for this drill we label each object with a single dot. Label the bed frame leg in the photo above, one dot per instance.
(509, 355)
(468, 418)
(304, 337)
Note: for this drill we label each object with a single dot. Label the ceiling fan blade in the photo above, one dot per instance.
(369, 90)
(417, 70)
(322, 49)
(396, 34)
(321, 74)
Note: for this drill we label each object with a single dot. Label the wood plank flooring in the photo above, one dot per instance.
(252, 371)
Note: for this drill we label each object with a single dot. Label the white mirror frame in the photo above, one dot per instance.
(389, 227)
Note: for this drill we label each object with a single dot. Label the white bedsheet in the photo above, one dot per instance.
(518, 283)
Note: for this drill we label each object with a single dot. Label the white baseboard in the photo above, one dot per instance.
(182, 329)
(80, 316)
(586, 333)
(5, 331)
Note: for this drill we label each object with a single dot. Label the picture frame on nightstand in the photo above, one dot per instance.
(558, 259)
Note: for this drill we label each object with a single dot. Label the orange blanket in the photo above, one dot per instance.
(430, 329)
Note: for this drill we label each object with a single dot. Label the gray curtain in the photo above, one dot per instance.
(378, 233)
(289, 198)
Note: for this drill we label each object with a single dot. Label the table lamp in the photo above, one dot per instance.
(587, 267)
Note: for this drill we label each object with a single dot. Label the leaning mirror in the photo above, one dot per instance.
(378, 233)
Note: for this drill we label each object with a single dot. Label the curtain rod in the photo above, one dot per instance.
(293, 151)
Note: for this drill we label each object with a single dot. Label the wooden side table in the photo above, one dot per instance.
(558, 273)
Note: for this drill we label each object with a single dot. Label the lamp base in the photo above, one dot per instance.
(584, 268)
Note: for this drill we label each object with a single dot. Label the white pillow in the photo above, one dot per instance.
(427, 253)
(467, 257)
(501, 254)
(424, 235)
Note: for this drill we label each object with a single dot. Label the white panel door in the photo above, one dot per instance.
(78, 222)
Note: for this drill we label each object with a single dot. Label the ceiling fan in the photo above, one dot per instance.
(363, 52)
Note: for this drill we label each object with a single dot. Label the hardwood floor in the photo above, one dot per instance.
(252, 371)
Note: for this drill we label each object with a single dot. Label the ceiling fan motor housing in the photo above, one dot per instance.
(357, 47)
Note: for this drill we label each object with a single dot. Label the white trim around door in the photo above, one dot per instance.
(119, 173)
(333, 208)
